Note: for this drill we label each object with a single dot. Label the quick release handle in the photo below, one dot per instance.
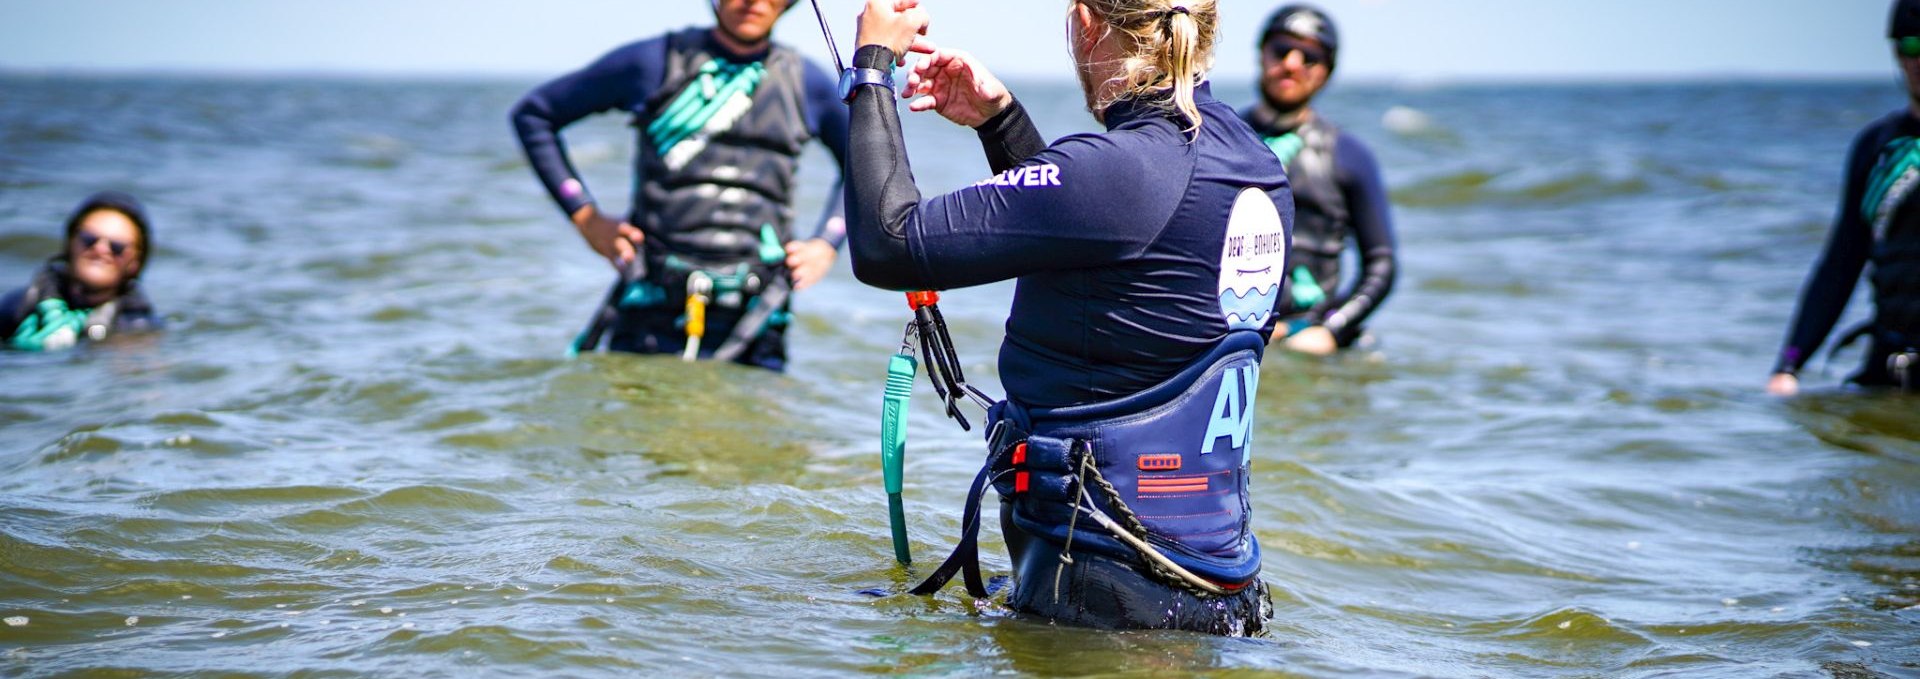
(893, 419)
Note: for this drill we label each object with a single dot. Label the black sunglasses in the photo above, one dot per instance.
(1279, 49)
(88, 240)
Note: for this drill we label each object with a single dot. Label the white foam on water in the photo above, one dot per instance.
(17, 621)
(1863, 644)
(133, 620)
(386, 609)
(217, 635)
(1566, 625)
(1729, 602)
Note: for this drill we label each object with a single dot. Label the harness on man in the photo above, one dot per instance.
(1895, 327)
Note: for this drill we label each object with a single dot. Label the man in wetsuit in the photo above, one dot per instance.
(1148, 257)
(707, 253)
(1878, 222)
(92, 288)
(1336, 188)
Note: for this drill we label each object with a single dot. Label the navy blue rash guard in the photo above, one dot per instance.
(1848, 250)
(626, 79)
(1116, 239)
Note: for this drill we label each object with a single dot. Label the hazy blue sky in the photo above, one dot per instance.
(1407, 39)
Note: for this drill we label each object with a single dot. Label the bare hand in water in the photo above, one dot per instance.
(1316, 340)
(1784, 384)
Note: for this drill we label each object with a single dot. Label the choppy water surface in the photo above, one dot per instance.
(359, 450)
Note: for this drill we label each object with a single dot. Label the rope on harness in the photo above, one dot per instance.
(1134, 533)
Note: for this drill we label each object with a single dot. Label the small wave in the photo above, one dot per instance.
(30, 246)
(1479, 187)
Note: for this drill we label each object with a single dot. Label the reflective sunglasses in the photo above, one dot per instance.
(89, 239)
(1313, 56)
(1908, 47)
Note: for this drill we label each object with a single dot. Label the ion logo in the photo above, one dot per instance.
(1160, 463)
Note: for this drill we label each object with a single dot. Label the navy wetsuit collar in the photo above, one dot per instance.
(1137, 108)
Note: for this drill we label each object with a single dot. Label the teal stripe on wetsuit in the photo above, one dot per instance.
(718, 84)
(1899, 160)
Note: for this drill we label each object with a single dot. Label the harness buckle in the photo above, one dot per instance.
(699, 288)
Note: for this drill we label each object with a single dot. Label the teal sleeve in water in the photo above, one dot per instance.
(52, 327)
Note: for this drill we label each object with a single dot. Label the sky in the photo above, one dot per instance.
(1395, 40)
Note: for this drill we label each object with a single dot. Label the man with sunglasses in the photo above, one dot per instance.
(1878, 222)
(707, 253)
(1337, 191)
(92, 289)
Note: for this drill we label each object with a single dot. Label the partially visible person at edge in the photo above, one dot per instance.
(723, 114)
(1336, 188)
(1147, 258)
(90, 290)
(1878, 222)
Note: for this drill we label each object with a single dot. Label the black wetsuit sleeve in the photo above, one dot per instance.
(1009, 138)
(1358, 175)
(1831, 284)
(828, 118)
(1080, 203)
(620, 80)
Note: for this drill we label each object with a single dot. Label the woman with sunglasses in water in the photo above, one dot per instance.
(92, 288)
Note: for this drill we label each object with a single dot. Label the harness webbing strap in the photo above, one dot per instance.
(965, 558)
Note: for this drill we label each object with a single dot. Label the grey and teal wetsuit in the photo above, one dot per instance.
(1879, 223)
(1146, 265)
(47, 314)
(720, 136)
(1338, 196)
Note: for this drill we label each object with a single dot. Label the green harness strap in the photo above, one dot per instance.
(718, 83)
(1892, 180)
(1286, 147)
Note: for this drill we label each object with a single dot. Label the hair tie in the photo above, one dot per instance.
(1176, 9)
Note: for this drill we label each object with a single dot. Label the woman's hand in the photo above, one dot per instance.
(957, 86)
(897, 25)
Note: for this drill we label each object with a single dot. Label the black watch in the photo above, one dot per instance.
(853, 78)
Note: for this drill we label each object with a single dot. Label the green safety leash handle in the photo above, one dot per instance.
(893, 446)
